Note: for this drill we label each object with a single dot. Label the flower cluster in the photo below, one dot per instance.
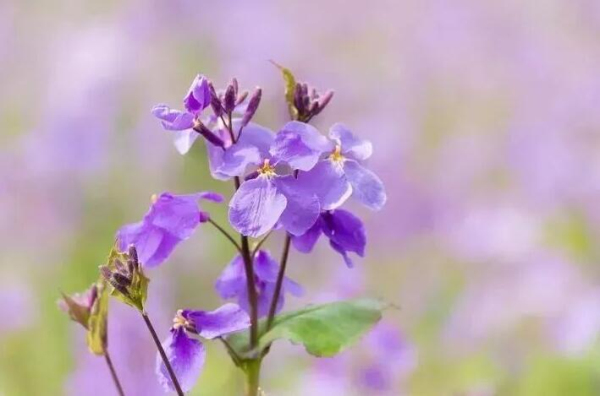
(294, 180)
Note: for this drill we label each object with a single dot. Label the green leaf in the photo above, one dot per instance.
(290, 87)
(97, 322)
(324, 330)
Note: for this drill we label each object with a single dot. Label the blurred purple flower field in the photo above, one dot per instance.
(485, 123)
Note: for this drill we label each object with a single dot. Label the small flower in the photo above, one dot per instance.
(275, 197)
(186, 354)
(125, 274)
(232, 283)
(184, 122)
(79, 305)
(340, 175)
(345, 231)
(170, 220)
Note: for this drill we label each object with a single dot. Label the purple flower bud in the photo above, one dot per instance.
(324, 101)
(121, 279)
(229, 99)
(241, 98)
(234, 84)
(253, 104)
(208, 134)
(105, 272)
(298, 102)
(215, 102)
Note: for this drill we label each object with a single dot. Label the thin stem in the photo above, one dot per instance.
(260, 243)
(253, 377)
(226, 234)
(236, 358)
(280, 277)
(252, 295)
(163, 355)
(113, 373)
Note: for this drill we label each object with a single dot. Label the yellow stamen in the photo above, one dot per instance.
(154, 198)
(266, 169)
(337, 156)
(180, 321)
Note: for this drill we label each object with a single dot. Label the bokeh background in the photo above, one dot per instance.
(485, 118)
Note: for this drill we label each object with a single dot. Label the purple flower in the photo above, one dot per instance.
(341, 175)
(232, 283)
(186, 354)
(345, 231)
(183, 122)
(170, 220)
(274, 195)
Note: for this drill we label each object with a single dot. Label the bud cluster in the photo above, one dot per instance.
(124, 273)
(308, 102)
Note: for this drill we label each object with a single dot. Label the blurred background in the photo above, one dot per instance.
(486, 126)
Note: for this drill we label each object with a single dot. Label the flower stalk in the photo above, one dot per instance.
(113, 374)
(280, 277)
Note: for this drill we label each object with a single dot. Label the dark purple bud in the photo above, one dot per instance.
(253, 104)
(241, 98)
(120, 266)
(324, 101)
(234, 84)
(298, 102)
(215, 102)
(118, 286)
(105, 272)
(304, 89)
(229, 99)
(121, 279)
(312, 108)
(208, 135)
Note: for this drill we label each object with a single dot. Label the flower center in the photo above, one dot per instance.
(180, 321)
(266, 169)
(337, 156)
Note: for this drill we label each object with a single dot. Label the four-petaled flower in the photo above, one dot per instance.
(186, 354)
(183, 122)
(170, 220)
(274, 195)
(232, 282)
(345, 231)
(340, 174)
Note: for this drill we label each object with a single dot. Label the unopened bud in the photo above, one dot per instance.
(121, 279)
(234, 84)
(208, 134)
(229, 99)
(215, 102)
(241, 98)
(253, 104)
(324, 101)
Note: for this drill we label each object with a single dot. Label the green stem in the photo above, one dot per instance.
(226, 234)
(253, 377)
(163, 355)
(113, 373)
(280, 277)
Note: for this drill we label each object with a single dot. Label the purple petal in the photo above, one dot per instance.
(366, 186)
(147, 240)
(236, 159)
(346, 230)
(256, 135)
(292, 287)
(302, 210)
(173, 120)
(198, 96)
(184, 140)
(256, 206)
(186, 356)
(328, 182)
(179, 215)
(352, 147)
(305, 243)
(300, 145)
(265, 267)
(224, 320)
(232, 280)
(343, 252)
(266, 291)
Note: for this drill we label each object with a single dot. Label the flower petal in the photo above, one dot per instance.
(353, 147)
(328, 182)
(236, 159)
(343, 252)
(256, 135)
(293, 287)
(184, 140)
(303, 208)
(366, 186)
(265, 267)
(173, 120)
(146, 238)
(179, 215)
(223, 320)
(300, 145)
(256, 206)
(198, 96)
(346, 230)
(232, 280)
(305, 243)
(186, 356)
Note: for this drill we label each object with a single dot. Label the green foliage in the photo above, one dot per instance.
(98, 322)
(290, 87)
(324, 330)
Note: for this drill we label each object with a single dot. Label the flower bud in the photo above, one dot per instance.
(324, 101)
(215, 102)
(241, 98)
(208, 134)
(229, 99)
(253, 104)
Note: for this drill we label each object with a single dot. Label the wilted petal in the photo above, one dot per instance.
(256, 206)
(232, 280)
(300, 145)
(186, 356)
(328, 182)
(224, 320)
(346, 230)
(302, 208)
(353, 147)
(236, 159)
(305, 243)
(184, 140)
(173, 120)
(366, 186)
